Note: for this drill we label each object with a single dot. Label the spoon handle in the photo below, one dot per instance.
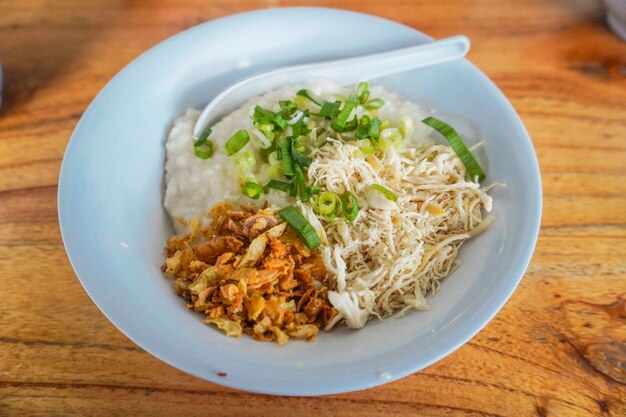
(352, 70)
(342, 71)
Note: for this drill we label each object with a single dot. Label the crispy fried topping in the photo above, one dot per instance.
(248, 273)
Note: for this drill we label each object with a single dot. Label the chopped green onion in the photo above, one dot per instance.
(390, 137)
(349, 126)
(375, 126)
(279, 185)
(293, 188)
(374, 104)
(406, 127)
(265, 153)
(285, 155)
(362, 92)
(458, 146)
(314, 190)
(203, 147)
(301, 225)
(280, 122)
(362, 132)
(262, 116)
(300, 182)
(311, 96)
(288, 107)
(272, 159)
(368, 129)
(204, 136)
(298, 144)
(252, 190)
(262, 140)
(237, 141)
(266, 128)
(301, 102)
(327, 202)
(329, 108)
(366, 147)
(346, 110)
(204, 151)
(384, 191)
(299, 157)
(299, 128)
(349, 206)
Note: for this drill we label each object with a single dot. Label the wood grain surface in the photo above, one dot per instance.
(558, 347)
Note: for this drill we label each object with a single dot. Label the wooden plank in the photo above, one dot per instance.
(553, 350)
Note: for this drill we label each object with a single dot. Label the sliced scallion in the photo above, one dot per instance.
(300, 128)
(293, 188)
(298, 156)
(280, 122)
(203, 147)
(284, 145)
(279, 185)
(406, 127)
(314, 190)
(348, 127)
(458, 146)
(368, 129)
(265, 153)
(366, 147)
(384, 191)
(374, 132)
(252, 190)
(362, 92)
(263, 141)
(297, 116)
(346, 110)
(204, 151)
(301, 225)
(374, 104)
(329, 108)
(204, 136)
(390, 137)
(311, 96)
(272, 158)
(237, 142)
(262, 116)
(288, 107)
(349, 206)
(327, 202)
(300, 182)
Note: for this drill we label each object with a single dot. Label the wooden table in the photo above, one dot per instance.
(558, 348)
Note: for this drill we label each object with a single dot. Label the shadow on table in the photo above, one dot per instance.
(41, 40)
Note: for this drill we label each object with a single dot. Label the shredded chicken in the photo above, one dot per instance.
(394, 253)
(249, 273)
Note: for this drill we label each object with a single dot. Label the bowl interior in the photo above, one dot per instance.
(114, 225)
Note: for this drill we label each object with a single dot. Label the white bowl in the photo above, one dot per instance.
(114, 225)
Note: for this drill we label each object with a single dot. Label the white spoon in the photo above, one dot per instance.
(342, 71)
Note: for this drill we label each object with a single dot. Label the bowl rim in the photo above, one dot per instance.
(405, 369)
